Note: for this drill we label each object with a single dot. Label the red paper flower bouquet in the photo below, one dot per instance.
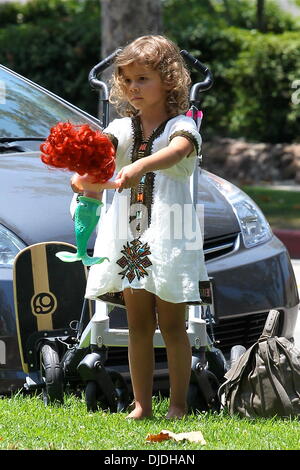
(80, 149)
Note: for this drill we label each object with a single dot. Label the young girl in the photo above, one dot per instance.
(156, 264)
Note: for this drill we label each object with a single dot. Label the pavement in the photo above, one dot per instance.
(296, 267)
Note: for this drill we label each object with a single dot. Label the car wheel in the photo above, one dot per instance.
(52, 374)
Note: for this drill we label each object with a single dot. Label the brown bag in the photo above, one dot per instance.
(265, 381)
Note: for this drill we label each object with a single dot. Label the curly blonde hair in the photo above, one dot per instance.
(162, 55)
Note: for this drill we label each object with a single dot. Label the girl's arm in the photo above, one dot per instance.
(130, 175)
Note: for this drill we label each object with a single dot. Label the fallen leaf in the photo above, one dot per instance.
(157, 437)
(193, 436)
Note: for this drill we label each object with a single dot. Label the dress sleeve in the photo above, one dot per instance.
(186, 127)
(112, 132)
(120, 133)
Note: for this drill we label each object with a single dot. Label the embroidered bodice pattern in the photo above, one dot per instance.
(135, 254)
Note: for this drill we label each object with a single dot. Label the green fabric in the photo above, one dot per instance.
(87, 215)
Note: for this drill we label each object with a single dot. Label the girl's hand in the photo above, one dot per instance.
(83, 184)
(129, 176)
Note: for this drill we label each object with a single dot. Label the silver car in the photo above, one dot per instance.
(251, 268)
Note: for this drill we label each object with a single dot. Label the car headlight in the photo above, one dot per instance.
(10, 245)
(255, 228)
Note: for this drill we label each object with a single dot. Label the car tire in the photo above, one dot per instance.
(52, 373)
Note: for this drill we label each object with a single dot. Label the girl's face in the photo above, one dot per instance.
(144, 88)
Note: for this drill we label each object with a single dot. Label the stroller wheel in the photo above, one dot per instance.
(52, 374)
(196, 400)
(95, 398)
(121, 390)
(216, 362)
(92, 396)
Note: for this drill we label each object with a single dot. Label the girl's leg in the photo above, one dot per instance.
(171, 320)
(141, 316)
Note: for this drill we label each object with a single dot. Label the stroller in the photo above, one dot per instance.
(71, 354)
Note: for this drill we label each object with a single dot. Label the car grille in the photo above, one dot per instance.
(216, 247)
(244, 330)
(228, 332)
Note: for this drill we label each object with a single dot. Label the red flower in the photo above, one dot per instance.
(79, 149)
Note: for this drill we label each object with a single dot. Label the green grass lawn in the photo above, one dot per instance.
(25, 423)
(281, 207)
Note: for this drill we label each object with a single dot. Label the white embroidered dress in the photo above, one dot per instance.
(167, 257)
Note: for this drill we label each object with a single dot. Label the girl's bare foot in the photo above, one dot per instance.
(139, 413)
(176, 413)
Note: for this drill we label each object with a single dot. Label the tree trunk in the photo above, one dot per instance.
(125, 20)
(260, 16)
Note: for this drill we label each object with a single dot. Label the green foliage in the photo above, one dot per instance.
(263, 74)
(54, 43)
(36, 10)
(253, 72)
(182, 17)
(242, 14)
(8, 14)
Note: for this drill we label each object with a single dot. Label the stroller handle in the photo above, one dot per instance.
(99, 68)
(105, 63)
(98, 84)
(206, 84)
(195, 63)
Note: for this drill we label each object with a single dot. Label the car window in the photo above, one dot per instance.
(27, 111)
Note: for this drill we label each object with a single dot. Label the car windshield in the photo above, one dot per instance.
(28, 111)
